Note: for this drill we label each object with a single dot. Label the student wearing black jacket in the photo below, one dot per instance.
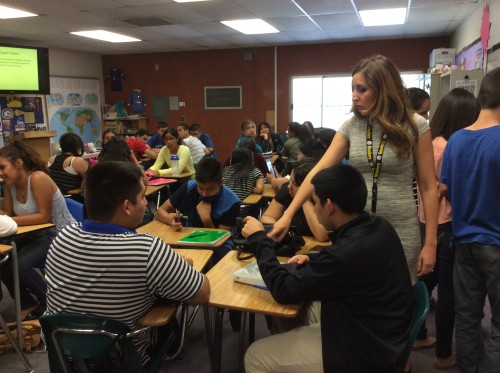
(362, 281)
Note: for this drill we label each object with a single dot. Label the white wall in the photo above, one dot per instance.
(469, 30)
(76, 64)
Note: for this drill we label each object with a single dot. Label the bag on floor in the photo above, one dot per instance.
(31, 334)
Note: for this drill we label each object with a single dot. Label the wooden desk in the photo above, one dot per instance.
(227, 294)
(15, 269)
(77, 191)
(171, 237)
(310, 243)
(162, 314)
(183, 175)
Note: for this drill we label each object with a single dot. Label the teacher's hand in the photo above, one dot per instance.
(280, 228)
(426, 260)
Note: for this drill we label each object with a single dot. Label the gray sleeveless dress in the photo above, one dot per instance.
(395, 200)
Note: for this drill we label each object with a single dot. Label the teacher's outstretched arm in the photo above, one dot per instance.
(333, 156)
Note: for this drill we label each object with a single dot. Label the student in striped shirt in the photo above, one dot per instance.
(104, 268)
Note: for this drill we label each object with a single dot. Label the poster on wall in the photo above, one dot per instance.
(493, 58)
(20, 113)
(73, 106)
(471, 57)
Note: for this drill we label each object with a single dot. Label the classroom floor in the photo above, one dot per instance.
(194, 357)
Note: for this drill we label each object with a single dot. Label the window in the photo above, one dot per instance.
(326, 100)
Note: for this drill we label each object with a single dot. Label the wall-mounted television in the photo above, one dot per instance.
(24, 69)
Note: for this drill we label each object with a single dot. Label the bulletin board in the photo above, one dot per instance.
(20, 113)
(493, 58)
(471, 57)
(74, 106)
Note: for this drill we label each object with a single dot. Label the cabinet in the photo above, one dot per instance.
(469, 80)
(126, 126)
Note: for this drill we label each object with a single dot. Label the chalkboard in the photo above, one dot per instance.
(228, 97)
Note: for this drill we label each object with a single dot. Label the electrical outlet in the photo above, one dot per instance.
(183, 119)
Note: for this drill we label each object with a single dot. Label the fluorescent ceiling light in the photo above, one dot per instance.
(6, 13)
(188, 1)
(383, 17)
(251, 26)
(105, 36)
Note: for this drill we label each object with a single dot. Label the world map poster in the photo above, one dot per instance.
(73, 106)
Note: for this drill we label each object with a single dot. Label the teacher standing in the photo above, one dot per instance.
(387, 143)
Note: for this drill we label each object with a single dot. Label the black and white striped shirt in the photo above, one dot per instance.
(117, 275)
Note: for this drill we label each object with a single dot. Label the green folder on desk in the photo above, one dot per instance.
(204, 237)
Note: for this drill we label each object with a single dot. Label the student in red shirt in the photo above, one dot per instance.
(138, 144)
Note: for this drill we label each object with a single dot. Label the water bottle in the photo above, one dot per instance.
(174, 165)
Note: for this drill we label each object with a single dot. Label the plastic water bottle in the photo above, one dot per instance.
(174, 165)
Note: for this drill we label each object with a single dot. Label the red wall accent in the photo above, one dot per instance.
(185, 74)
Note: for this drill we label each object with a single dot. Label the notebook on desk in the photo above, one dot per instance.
(160, 181)
(204, 237)
(250, 274)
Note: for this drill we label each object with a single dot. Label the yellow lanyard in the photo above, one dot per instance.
(377, 165)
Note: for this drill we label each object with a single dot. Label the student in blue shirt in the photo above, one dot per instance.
(155, 141)
(205, 201)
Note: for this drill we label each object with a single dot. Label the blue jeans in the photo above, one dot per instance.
(32, 251)
(477, 274)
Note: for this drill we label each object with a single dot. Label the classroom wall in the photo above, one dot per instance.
(185, 74)
(76, 64)
(469, 29)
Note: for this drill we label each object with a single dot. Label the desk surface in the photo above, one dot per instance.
(151, 189)
(30, 228)
(171, 237)
(180, 176)
(4, 249)
(162, 314)
(225, 293)
(254, 198)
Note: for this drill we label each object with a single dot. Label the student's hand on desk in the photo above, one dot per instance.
(176, 225)
(299, 259)
(251, 226)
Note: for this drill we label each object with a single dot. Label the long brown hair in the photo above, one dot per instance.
(391, 107)
(19, 150)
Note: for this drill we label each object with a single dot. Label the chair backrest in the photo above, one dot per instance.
(83, 343)
(76, 209)
(421, 296)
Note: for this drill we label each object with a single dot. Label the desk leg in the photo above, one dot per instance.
(241, 347)
(251, 328)
(219, 315)
(210, 337)
(17, 294)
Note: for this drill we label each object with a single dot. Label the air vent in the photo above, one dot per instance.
(148, 22)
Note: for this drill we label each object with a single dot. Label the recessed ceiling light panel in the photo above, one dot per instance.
(105, 36)
(251, 26)
(6, 13)
(383, 17)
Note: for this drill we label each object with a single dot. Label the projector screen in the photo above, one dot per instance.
(24, 70)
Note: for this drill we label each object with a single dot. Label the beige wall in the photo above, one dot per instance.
(469, 30)
(77, 64)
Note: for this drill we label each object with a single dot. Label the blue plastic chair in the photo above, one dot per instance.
(421, 296)
(84, 343)
(76, 209)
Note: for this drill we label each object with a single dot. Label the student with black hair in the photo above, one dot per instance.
(155, 141)
(420, 101)
(121, 273)
(362, 282)
(267, 139)
(205, 201)
(242, 177)
(68, 169)
(296, 134)
(196, 131)
(138, 144)
(304, 219)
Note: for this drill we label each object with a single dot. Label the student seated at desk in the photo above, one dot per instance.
(248, 131)
(68, 169)
(155, 142)
(172, 147)
(196, 131)
(362, 282)
(196, 147)
(138, 144)
(242, 177)
(305, 220)
(31, 197)
(206, 203)
(104, 248)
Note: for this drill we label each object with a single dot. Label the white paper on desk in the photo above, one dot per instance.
(250, 274)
